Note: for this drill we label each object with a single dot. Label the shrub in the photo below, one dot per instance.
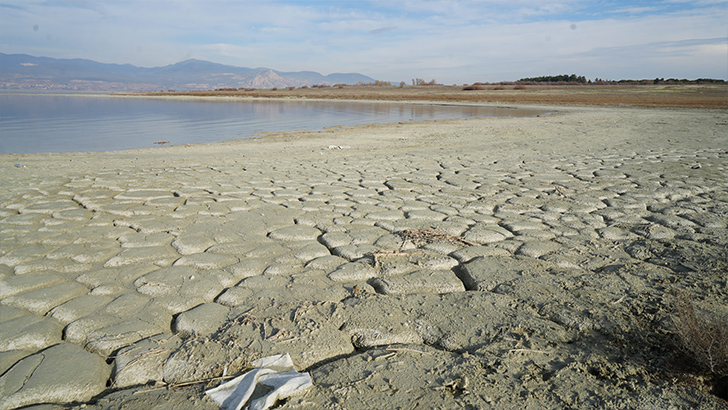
(519, 87)
(474, 87)
(419, 81)
(499, 88)
(702, 335)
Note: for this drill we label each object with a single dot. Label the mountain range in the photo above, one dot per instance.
(22, 71)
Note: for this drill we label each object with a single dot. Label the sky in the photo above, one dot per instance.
(450, 41)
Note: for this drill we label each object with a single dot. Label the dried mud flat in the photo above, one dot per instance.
(485, 263)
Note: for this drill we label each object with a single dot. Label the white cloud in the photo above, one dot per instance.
(454, 41)
(636, 10)
(712, 50)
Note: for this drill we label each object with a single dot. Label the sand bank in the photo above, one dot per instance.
(523, 262)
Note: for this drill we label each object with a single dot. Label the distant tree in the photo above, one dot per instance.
(419, 81)
(564, 78)
(710, 80)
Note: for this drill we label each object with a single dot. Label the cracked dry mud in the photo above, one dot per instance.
(504, 263)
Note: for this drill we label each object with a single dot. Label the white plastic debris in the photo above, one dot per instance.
(275, 372)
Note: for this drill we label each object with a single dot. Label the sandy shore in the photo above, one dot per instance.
(484, 263)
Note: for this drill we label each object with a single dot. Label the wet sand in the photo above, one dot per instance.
(504, 263)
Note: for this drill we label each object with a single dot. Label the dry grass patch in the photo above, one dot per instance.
(703, 335)
(674, 95)
(703, 339)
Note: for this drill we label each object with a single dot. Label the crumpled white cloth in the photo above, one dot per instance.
(276, 372)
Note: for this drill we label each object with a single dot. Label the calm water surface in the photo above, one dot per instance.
(54, 123)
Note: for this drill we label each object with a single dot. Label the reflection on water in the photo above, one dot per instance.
(46, 123)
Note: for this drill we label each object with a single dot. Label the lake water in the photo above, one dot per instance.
(55, 123)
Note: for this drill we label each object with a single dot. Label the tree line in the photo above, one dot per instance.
(564, 78)
(573, 78)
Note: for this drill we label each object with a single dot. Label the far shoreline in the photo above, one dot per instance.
(702, 96)
(192, 96)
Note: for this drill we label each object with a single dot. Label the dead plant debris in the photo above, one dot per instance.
(429, 235)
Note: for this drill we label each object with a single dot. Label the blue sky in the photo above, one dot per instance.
(452, 41)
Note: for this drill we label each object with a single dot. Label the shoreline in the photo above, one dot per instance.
(365, 116)
(272, 136)
(182, 96)
(705, 96)
(665, 95)
(486, 262)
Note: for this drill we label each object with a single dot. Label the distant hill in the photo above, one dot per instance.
(21, 71)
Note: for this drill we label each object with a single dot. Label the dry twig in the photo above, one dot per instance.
(404, 349)
(527, 351)
(183, 384)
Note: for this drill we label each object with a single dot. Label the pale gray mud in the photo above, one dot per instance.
(488, 263)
